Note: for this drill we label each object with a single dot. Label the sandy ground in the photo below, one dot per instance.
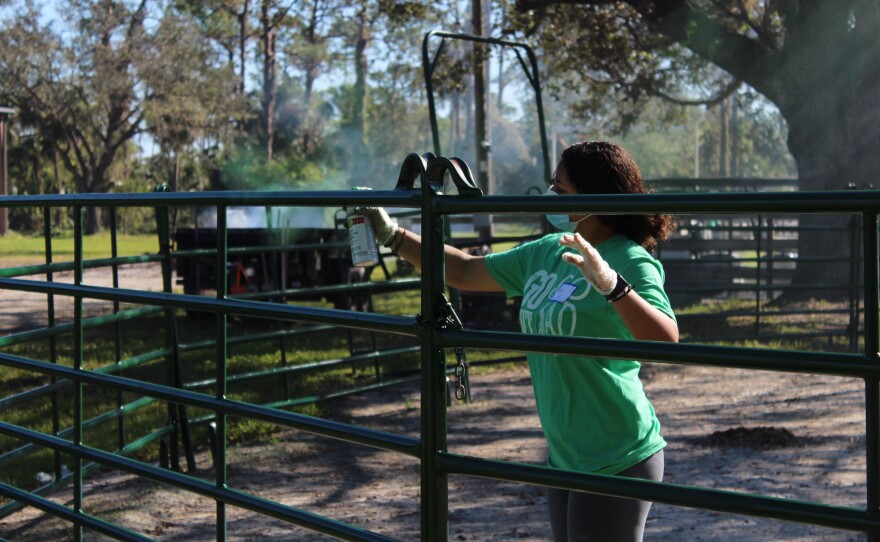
(821, 459)
(376, 490)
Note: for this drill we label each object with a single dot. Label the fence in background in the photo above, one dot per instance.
(434, 331)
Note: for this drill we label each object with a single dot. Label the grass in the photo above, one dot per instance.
(19, 249)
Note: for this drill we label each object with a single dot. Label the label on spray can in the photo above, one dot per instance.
(364, 252)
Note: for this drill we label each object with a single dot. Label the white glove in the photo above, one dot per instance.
(594, 268)
(384, 228)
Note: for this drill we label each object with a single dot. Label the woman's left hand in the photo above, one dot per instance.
(594, 268)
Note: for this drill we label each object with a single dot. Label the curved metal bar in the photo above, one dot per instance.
(413, 169)
(532, 76)
(461, 177)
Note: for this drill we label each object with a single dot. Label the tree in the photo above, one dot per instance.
(90, 86)
(816, 61)
(309, 56)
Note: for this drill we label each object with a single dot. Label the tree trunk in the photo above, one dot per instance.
(267, 39)
(722, 139)
(734, 137)
(92, 222)
(242, 44)
(359, 103)
(833, 139)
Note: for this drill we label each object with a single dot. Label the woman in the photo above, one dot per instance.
(595, 278)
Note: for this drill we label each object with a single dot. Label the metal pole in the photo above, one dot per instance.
(5, 112)
(114, 252)
(53, 339)
(872, 385)
(220, 392)
(434, 481)
(77, 437)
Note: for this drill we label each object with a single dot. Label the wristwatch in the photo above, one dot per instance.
(620, 290)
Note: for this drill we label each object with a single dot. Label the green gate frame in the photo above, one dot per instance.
(436, 332)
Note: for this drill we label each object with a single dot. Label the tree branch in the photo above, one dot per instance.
(746, 59)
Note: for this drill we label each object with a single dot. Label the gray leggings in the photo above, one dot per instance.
(581, 517)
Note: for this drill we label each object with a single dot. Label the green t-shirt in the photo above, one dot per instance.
(594, 412)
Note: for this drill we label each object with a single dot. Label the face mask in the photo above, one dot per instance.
(561, 222)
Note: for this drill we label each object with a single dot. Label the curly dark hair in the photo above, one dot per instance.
(600, 167)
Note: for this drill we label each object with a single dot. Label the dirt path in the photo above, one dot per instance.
(822, 460)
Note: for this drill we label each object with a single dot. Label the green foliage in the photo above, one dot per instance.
(247, 169)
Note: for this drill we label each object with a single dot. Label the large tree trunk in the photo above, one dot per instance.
(832, 108)
(92, 222)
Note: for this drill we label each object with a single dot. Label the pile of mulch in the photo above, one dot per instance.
(752, 438)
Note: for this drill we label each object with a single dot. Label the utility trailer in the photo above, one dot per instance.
(280, 262)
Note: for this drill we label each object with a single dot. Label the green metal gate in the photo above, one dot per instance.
(436, 331)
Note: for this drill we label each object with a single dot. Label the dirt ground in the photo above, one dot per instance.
(783, 435)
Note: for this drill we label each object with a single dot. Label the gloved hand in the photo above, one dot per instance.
(594, 268)
(383, 226)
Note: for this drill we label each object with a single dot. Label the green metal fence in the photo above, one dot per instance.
(435, 329)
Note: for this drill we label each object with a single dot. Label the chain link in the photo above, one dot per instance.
(460, 375)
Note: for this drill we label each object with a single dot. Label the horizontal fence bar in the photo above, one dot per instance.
(256, 337)
(60, 329)
(77, 518)
(201, 487)
(310, 424)
(274, 311)
(849, 201)
(64, 480)
(305, 367)
(287, 198)
(380, 287)
(831, 201)
(764, 359)
(40, 391)
(69, 266)
(837, 517)
(28, 449)
(259, 249)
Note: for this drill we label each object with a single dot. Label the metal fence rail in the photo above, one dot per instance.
(436, 331)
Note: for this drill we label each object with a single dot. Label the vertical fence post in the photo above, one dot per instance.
(433, 405)
(50, 322)
(759, 234)
(171, 337)
(854, 281)
(872, 385)
(114, 253)
(77, 437)
(220, 392)
(170, 362)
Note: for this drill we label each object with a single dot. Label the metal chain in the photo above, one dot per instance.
(453, 322)
(460, 375)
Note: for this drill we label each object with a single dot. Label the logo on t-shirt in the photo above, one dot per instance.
(548, 304)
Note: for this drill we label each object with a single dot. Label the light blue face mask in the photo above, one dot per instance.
(561, 222)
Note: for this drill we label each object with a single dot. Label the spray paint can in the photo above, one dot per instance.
(364, 252)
